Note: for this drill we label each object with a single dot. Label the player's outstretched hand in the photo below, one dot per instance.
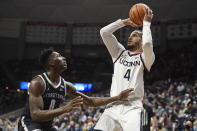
(74, 104)
(123, 96)
(129, 22)
(148, 14)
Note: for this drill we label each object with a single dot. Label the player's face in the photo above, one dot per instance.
(58, 61)
(135, 39)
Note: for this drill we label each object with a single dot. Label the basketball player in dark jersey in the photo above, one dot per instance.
(147, 114)
(48, 90)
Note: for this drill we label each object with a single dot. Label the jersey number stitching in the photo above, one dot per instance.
(127, 74)
(52, 105)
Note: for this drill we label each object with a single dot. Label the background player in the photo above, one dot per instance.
(128, 72)
(147, 114)
(48, 90)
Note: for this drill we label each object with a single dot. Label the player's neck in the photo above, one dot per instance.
(137, 51)
(54, 76)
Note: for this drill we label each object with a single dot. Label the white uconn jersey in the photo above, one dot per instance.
(128, 73)
(128, 67)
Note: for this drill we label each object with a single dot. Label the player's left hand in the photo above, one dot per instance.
(148, 14)
(123, 96)
(88, 101)
(129, 22)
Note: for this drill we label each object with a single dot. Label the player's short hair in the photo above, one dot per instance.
(139, 32)
(44, 57)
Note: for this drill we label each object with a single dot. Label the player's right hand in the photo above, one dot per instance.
(129, 22)
(74, 104)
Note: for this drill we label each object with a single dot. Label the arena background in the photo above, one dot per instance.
(72, 28)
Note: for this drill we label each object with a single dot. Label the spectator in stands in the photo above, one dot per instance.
(181, 114)
(7, 125)
(186, 100)
(1, 125)
(71, 126)
(97, 115)
(188, 126)
(77, 127)
(190, 109)
(165, 120)
(176, 126)
(174, 114)
(82, 117)
(161, 127)
(195, 125)
(180, 88)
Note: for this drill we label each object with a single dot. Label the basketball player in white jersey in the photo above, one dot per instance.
(129, 66)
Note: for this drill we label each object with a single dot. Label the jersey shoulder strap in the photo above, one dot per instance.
(119, 56)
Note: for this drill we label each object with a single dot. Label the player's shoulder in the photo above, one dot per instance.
(37, 80)
(67, 83)
(125, 53)
(37, 85)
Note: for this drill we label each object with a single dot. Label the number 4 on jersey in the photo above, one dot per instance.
(52, 105)
(127, 74)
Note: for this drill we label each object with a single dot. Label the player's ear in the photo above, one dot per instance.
(51, 62)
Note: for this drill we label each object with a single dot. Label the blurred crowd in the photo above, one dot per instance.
(173, 102)
(175, 63)
(11, 100)
(170, 89)
(179, 63)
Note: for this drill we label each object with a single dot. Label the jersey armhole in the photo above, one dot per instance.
(143, 63)
(118, 57)
(65, 86)
(43, 81)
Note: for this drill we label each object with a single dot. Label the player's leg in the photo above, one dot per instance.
(132, 120)
(20, 127)
(24, 125)
(53, 129)
(106, 123)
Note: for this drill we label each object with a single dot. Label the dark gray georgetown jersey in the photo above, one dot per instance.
(53, 96)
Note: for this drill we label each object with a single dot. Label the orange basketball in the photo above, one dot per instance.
(136, 13)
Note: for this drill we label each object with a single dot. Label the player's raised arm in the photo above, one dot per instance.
(36, 103)
(110, 41)
(147, 44)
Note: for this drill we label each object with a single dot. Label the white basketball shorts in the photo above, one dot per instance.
(118, 118)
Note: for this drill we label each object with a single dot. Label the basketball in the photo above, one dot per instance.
(136, 13)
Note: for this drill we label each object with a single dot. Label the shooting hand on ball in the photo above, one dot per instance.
(129, 22)
(148, 14)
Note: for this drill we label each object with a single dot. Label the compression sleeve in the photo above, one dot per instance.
(148, 55)
(110, 41)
